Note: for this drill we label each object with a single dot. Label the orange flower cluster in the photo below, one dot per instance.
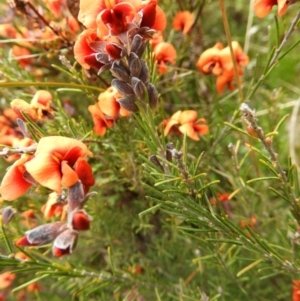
(38, 109)
(107, 24)
(43, 35)
(217, 61)
(56, 163)
(264, 7)
(107, 110)
(186, 122)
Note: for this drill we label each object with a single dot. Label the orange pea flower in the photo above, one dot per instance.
(164, 53)
(186, 122)
(296, 290)
(39, 107)
(109, 106)
(101, 123)
(217, 60)
(183, 21)
(6, 279)
(54, 162)
(264, 7)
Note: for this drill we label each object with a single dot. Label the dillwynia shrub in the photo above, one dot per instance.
(149, 150)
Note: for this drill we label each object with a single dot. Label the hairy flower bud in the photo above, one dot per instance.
(75, 196)
(7, 214)
(102, 57)
(152, 95)
(80, 220)
(139, 88)
(120, 72)
(65, 242)
(144, 74)
(128, 104)
(156, 162)
(135, 67)
(123, 88)
(136, 42)
(42, 234)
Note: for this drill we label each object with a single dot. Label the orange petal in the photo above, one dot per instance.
(282, 7)
(189, 130)
(169, 124)
(13, 184)
(88, 11)
(60, 145)
(160, 22)
(201, 129)
(84, 172)
(42, 97)
(83, 53)
(108, 104)
(46, 171)
(69, 176)
(263, 7)
(188, 116)
(208, 59)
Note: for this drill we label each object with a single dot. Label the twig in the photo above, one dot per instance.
(249, 116)
(285, 39)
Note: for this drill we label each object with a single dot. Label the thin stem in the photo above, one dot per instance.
(229, 41)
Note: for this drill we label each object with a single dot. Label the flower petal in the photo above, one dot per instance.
(189, 130)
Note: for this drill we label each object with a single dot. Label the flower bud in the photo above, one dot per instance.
(136, 42)
(144, 74)
(153, 95)
(75, 196)
(139, 88)
(7, 214)
(42, 234)
(64, 243)
(120, 72)
(123, 88)
(156, 162)
(80, 220)
(135, 67)
(251, 131)
(128, 104)
(102, 57)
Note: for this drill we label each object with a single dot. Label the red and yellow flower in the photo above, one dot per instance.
(186, 122)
